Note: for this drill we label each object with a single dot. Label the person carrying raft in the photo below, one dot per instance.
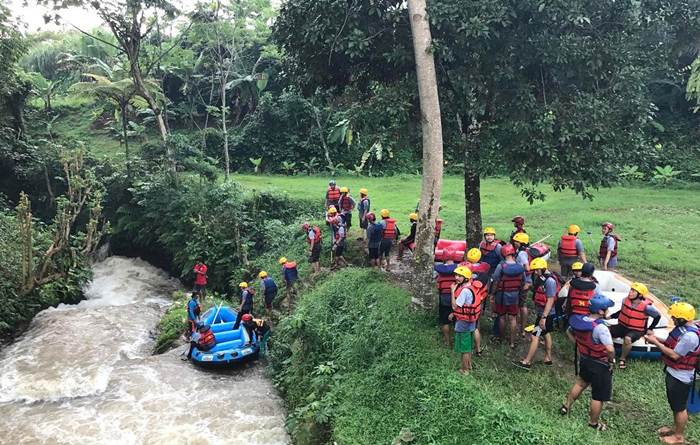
(193, 311)
(313, 238)
(632, 319)
(409, 241)
(466, 308)
(203, 340)
(607, 254)
(268, 287)
(680, 354)
(546, 286)
(596, 360)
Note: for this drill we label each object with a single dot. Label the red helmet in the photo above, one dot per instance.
(508, 249)
(608, 225)
(247, 317)
(519, 220)
(370, 216)
(305, 226)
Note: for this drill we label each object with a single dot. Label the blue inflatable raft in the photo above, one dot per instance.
(232, 346)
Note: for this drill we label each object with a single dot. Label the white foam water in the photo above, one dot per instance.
(83, 374)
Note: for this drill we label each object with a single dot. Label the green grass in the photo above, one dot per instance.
(658, 225)
(357, 365)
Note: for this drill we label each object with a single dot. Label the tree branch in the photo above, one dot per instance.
(121, 50)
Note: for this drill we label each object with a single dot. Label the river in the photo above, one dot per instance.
(84, 374)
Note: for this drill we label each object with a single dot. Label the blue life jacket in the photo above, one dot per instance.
(374, 233)
(193, 309)
(270, 287)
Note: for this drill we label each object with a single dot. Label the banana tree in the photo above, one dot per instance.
(44, 88)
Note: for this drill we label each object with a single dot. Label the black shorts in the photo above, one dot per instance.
(373, 253)
(269, 299)
(443, 314)
(315, 253)
(598, 376)
(363, 223)
(677, 393)
(548, 324)
(340, 249)
(385, 247)
(347, 217)
(619, 331)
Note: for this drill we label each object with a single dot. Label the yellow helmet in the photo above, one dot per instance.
(242, 284)
(463, 271)
(363, 191)
(538, 263)
(521, 237)
(640, 288)
(384, 213)
(474, 255)
(413, 216)
(344, 190)
(574, 229)
(682, 310)
(577, 266)
(332, 210)
(489, 231)
(282, 260)
(262, 274)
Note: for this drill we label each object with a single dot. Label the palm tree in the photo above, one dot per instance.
(123, 93)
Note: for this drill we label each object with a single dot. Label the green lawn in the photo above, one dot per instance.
(658, 225)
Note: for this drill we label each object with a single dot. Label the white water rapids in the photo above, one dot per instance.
(84, 374)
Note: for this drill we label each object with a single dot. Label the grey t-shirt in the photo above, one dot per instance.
(687, 344)
(600, 335)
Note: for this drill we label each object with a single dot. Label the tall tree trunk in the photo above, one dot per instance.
(223, 128)
(122, 107)
(432, 154)
(472, 181)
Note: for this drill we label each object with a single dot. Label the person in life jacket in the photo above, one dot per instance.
(581, 290)
(680, 354)
(546, 287)
(332, 194)
(607, 254)
(332, 218)
(363, 208)
(480, 273)
(466, 309)
(204, 340)
(194, 309)
(263, 331)
(444, 280)
(389, 234)
(290, 275)
(507, 283)
(268, 288)
(313, 238)
(246, 302)
(374, 239)
(346, 206)
(521, 241)
(564, 292)
(632, 319)
(410, 241)
(519, 224)
(200, 277)
(490, 249)
(596, 360)
(339, 245)
(570, 250)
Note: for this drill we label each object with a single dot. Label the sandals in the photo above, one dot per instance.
(548, 362)
(665, 431)
(599, 426)
(563, 410)
(622, 365)
(522, 365)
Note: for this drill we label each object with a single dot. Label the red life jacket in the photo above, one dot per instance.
(478, 267)
(390, 230)
(486, 248)
(536, 250)
(584, 341)
(634, 318)
(290, 265)
(333, 194)
(580, 294)
(567, 246)
(317, 236)
(207, 339)
(444, 283)
(540, 296)
(469, 312)
(346, 203)
(603, 251)
(687, 362)
(510, 283)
